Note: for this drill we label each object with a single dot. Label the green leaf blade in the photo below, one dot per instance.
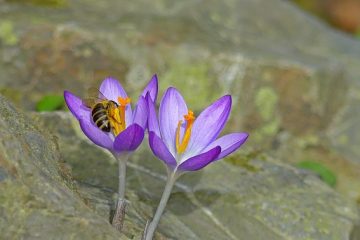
(50, 103)
(325, 174)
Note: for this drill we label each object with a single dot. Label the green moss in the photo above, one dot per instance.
(194, 77)
(244, 160)
(15, 211)
(44, 3)
(7, 35)
(12, 94)
(265, 101)
(308, 140)
(271, 128)
(343, 139)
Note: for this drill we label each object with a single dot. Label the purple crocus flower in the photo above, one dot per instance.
(185, 143)
(129, 138)
(117, 127)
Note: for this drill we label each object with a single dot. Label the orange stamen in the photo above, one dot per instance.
(122, 105)
(189, 118)
(124, 101)
(177, 139)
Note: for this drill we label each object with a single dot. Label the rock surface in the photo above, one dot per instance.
(295, 81)
(238, 198)
(38, 200)
(296, 89)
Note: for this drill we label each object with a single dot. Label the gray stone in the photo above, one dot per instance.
(57, 185)
(294, 80)
(231, 199)
(38, 199)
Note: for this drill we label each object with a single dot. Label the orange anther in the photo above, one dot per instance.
(124, 101)
(189, 118)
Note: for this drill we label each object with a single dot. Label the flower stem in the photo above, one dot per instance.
(122, 176)
(118, 219)
(150, 229)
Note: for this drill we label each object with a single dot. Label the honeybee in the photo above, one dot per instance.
(102, 110)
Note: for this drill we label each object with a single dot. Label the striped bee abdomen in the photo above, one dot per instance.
(100, 118)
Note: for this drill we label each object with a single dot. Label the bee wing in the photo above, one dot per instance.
(93, 96)
(89, 102)
(94, 92)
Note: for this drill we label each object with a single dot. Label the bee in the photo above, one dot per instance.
(102, 109)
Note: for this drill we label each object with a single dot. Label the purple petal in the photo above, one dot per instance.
(172, 110)
(76, 107)
(208, 125)
(141, 113)
(152, 88)
(160, 150)
(200, 161)
(112, 89)
(228, 143)
(129, 139)
(153, 124)
(97, 136)
(128, 115)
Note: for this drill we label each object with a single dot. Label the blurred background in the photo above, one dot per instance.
(342, 14)
(292, 67)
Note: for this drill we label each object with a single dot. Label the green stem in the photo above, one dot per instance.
(122, 176)
(150, 230)
(119, 215)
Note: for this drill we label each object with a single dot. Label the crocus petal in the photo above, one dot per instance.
(200, 161)
(208, 125)
(95, 134)
(112, 89)
(152, 88)
(141, 113)
(160, 150)
(153, 124)
(172, 110)
(228, 143)
(75, 105)
(129, 139)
